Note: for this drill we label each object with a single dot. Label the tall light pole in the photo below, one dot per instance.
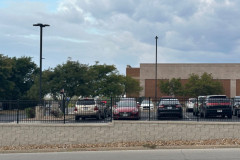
(40, 76)
(156, 71)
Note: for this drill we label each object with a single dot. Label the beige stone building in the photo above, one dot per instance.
(227, 73)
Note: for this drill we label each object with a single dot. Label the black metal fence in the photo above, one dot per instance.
(105, 110)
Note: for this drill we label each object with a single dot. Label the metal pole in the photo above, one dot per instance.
(149, 109)
(17, 111)
(156, 71)
(40, 77)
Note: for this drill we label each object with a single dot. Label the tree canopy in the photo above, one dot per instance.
(202, 85)
(172, 87)
(16, 76)
(83, 80)
(195, 86)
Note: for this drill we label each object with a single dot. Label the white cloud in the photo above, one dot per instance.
(123, 32)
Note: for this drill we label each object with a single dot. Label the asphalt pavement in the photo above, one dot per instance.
(160, 154)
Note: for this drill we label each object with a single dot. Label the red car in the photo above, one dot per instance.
(127, 110)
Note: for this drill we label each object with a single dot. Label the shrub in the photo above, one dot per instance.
(56, 112)
(30, 112)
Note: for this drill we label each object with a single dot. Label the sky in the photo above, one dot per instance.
(122, 32)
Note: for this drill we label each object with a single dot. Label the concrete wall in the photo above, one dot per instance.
(119, 131)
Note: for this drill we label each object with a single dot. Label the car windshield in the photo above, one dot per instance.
(146, 102)
(169, 101)
(192, 100)
(219, 97)
(127, 104)
(237, 99)
(86, 102)
(201, 99)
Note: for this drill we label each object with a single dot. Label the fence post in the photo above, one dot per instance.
(149, 110)
(111, 109)
(63, 103)
(17, 111)
(197, 112)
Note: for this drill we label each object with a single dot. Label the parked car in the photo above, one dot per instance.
(169, 108)
(127, 110)
(146, 104)
(236, 106)
(216, 105)
(89, 108)
(190, 104)
(198, 104)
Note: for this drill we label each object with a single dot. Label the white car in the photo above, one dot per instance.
(145, 105)
(190, 104)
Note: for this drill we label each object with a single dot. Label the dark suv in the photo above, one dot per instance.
(216, 105)
(170, 107)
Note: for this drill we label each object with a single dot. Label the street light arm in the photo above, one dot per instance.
(46, 25)
(38, 24)
(41, 25)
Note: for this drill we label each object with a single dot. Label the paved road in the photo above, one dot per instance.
(165, 154)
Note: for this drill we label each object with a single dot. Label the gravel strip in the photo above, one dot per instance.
(124, 145)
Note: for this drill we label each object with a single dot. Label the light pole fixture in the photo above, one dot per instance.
(156, 71)
(40, 75)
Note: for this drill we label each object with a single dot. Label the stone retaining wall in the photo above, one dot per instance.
(118, 131)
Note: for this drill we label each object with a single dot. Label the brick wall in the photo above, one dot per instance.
(226, 86)
(119, 131)
(133, 72)
(238, 87)
(150, 87)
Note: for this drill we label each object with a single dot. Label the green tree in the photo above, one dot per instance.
(171, 87)
(82, 80)
(73, 77)
(106, 81)
(114, 86)
(202, 85)
(5, 73)
(132, 86)
(16, 76)
(22, 76)
(33, 92)
(99, 78)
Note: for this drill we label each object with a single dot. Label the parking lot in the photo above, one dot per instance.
(20, 112)
(11, 117)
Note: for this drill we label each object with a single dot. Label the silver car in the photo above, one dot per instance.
(89, 108)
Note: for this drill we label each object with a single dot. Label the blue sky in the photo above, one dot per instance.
(122, 32)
